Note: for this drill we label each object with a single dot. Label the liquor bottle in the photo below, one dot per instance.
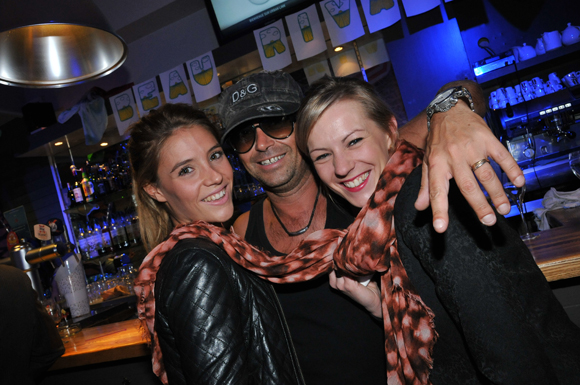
(102, 184)
(70, 195)
(117, 175)
(113, 231)
(118, 232)
(77, 189)
(88, 188)
(92, 177)
(82, 244)
(122, 222)
(107, 238)
(111, 179)
(126, 220)
(135, 225)
(100, 244)
(92, 241)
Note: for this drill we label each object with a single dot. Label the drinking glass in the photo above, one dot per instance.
(516, 195)
(575, 163)
(53, 309)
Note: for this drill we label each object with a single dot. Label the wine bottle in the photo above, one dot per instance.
(77, 188)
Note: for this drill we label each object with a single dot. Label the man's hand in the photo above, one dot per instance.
(368, 296)
(458, 139)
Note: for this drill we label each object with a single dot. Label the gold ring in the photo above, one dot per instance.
(478, 164)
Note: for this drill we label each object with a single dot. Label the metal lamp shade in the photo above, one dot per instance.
(57, 43)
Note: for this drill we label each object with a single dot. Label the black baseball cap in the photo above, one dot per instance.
(260, 95)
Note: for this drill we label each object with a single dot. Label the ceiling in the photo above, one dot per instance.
(152, 20)
(160, 35)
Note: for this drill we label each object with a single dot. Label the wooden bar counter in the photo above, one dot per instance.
(116, 353)
(557, 250)
(112, 342)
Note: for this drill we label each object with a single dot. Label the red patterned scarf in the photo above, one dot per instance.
(369, 245)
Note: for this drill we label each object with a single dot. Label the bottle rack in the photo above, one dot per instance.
(106, 181)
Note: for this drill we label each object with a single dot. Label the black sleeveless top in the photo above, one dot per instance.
(337, 341)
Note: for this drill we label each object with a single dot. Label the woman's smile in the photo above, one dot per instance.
(217, 198)
(349, 150)
(357, 183)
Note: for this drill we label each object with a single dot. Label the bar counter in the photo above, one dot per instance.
(112, 342)
(557, 252)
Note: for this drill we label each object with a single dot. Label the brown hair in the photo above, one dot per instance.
(147, 139)
(327, 91)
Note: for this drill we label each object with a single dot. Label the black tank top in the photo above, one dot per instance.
(337, 341)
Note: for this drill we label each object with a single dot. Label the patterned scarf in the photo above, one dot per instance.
(369, 245)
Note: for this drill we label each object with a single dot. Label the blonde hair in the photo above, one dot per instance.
(327, 91)
(147, 139)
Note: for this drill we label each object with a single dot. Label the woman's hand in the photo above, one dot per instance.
(368, 296)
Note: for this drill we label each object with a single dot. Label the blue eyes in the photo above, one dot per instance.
(349, 144)
(320, 157)
(354, 141)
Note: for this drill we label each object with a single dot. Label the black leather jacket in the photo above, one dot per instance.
(219, 324)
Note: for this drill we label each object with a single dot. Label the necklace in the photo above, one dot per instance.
(303, 230)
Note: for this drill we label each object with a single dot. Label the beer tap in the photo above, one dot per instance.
(26, 258)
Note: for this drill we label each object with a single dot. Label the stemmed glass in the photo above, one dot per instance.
(518, 199)
(575, 163)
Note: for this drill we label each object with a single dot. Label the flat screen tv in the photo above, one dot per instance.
(233, 18)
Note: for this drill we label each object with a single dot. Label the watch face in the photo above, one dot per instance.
(442, 96)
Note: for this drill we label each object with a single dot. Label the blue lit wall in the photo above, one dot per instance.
(440, 46)
(426, 60)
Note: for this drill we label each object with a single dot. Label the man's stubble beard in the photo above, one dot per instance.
(292, 178)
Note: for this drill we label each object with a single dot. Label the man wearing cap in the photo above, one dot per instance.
(338, 341)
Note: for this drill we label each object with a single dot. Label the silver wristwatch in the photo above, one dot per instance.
(447, 99)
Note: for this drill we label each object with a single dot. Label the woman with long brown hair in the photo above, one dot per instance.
(211, 321)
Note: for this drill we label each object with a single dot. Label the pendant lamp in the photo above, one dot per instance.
(56, 43)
